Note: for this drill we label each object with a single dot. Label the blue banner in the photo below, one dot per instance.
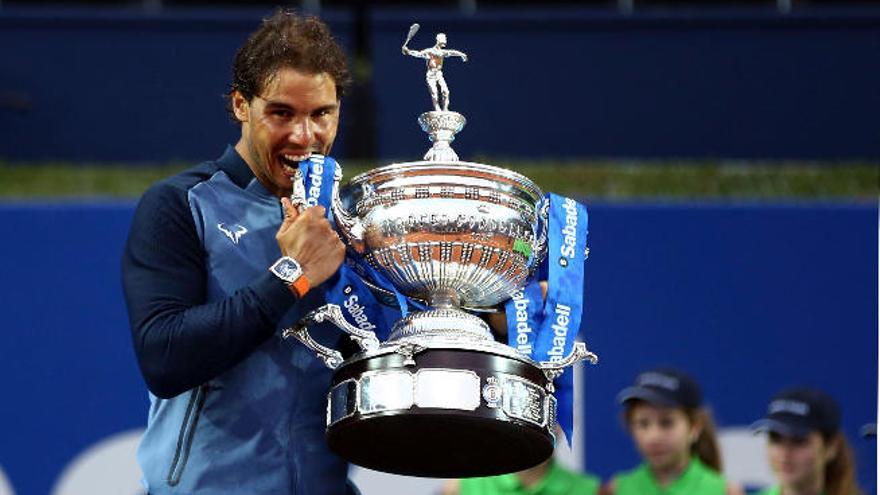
(522, 321)
(566, 249)
(545, 329)
(357, 301)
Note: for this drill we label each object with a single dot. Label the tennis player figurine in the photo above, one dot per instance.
(440, 124)
(434, 75)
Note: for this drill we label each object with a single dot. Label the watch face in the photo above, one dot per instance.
(287, 269)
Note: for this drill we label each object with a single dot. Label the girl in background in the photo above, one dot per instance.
(808, 453)
(675, 436)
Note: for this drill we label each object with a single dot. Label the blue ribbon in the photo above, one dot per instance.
(522, 321)
(348, 290)
(545, 330)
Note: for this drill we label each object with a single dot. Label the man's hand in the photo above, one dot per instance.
(308, 238)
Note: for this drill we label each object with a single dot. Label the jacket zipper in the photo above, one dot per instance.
(187, 432)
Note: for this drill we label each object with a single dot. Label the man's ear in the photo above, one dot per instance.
(240, 106)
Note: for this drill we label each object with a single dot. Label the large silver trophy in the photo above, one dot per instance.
(440, 397)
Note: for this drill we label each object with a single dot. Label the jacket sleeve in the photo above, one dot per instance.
(180, 340)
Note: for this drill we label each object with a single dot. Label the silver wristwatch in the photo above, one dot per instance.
(290, 272)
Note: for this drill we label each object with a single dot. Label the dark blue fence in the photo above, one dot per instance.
(120, 87)
(99, 86)
(748, 298)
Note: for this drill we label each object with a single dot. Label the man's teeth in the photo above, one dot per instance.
(295, 158)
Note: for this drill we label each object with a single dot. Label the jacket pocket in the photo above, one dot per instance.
(187, 432)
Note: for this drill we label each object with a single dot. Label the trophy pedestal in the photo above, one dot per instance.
(441, 412)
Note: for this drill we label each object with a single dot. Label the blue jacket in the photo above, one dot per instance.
(234, 408)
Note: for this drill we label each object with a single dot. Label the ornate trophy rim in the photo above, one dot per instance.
(432, 166)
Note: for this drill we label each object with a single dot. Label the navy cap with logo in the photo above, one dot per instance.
(797, 412)
(664, 387)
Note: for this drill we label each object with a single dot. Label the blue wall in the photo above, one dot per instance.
(749, 298)
(88, 85)
(69, 374)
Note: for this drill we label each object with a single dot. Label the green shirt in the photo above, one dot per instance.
(697, 479)
(557, 481)
(774, 491)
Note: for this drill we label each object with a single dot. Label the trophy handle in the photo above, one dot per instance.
(543, 214)
(332, 358)
(553, 370)
(300, 332)
(350, 225)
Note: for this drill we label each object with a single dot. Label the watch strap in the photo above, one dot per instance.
(300, 286)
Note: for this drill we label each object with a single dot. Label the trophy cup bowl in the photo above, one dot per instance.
(454, 234)
(440, 397)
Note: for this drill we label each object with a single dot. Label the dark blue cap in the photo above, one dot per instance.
(664, 387)
(797, 412)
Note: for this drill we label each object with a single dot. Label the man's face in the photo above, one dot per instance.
(296, 114)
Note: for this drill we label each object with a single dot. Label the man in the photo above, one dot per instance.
(217, 262)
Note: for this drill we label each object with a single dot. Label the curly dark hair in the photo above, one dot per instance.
(287, 40)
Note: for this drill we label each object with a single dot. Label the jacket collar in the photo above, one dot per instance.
(235, 167)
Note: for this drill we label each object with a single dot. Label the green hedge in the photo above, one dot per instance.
(608, 180)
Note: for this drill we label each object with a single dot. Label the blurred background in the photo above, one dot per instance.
(729, 154)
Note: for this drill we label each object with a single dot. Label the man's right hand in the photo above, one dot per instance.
(309, 238)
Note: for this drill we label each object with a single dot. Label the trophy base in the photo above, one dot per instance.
(443, 412)
(440, 444)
